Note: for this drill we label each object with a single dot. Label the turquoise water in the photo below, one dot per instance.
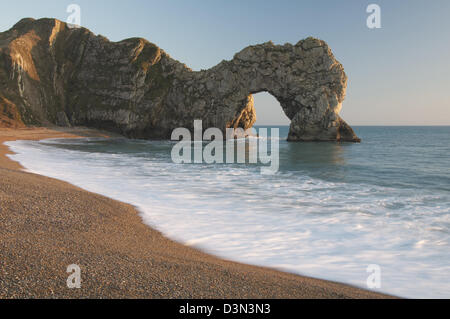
(329, 212)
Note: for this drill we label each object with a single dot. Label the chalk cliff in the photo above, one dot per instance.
(51, 74)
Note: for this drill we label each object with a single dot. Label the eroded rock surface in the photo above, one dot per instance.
(53, 74)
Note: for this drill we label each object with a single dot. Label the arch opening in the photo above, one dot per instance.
(269, 111)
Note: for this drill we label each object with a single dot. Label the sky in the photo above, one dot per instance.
(398, 74)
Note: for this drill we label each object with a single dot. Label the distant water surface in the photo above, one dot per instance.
(330, 211)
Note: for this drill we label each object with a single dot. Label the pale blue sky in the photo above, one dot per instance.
(398, 75)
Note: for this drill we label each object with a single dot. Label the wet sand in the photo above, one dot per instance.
(47, 224)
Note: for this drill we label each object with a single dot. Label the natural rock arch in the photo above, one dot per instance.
(50, 73)
(306, 80)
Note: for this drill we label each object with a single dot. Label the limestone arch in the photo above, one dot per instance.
(305, 79)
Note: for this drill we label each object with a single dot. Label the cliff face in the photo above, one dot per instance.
(53, 74)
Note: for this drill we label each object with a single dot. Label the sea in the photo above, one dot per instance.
(374, 214)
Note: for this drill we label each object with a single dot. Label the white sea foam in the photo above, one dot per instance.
(288, 221)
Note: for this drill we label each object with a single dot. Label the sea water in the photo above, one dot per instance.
(330, 211)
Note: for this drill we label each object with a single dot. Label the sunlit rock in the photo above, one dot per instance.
(52, 74)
